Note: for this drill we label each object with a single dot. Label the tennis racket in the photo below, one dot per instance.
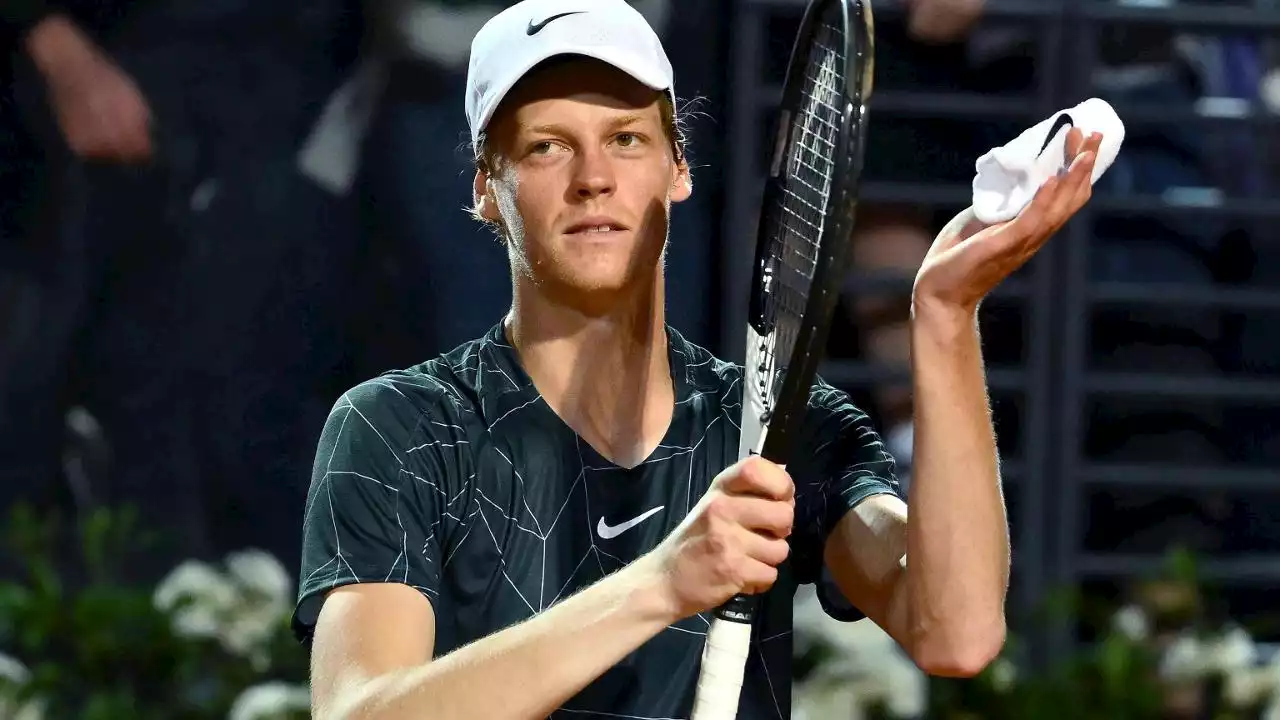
(807, 214)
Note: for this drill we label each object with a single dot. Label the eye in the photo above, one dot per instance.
(542, 148)
(627, 140)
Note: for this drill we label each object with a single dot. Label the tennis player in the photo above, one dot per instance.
(539, 522)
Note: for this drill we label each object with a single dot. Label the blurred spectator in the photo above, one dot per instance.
(190, 292)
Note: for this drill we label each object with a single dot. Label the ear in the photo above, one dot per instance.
(486, 203)
(681, 182)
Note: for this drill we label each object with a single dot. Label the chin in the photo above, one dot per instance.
(597, 273)
(607, 269)
(599, 280)
(600, 284)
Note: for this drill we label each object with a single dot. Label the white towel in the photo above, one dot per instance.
(1009, 176)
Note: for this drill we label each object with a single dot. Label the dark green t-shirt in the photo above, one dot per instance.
(456, 478)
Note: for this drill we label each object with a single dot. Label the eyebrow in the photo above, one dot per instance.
(613, 125)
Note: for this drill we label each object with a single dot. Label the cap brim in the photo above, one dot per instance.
(627, 63)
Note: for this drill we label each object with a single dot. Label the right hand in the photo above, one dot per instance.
(99, 109)
(732, 541)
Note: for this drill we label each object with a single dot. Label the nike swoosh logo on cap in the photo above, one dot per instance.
(535, 29)
(1064, 120)
(608, 533)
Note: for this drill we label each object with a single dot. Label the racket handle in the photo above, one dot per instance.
(724, 661)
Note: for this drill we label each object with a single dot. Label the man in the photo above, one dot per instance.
(405, 147)
(541, 521)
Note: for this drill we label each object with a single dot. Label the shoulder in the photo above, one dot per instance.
(402, 408)
(833, 421)
(406, 401)
(827, 399)
(444, 384)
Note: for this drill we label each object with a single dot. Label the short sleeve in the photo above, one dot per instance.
(375, 507)
(839, 462)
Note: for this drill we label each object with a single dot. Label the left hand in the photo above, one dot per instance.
(969, 259)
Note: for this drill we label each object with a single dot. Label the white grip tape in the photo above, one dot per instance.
(724, 660)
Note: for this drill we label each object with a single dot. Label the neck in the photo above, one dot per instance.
(606, 374)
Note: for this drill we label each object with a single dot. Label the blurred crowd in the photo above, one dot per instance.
(215, 216)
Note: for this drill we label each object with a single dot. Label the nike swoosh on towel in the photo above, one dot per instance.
(1064, 120)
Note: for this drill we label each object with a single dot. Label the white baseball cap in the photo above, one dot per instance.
(527, 33)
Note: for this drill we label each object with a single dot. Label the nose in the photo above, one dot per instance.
(593, 174)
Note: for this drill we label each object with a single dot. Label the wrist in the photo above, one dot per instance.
(941, 319)
(650, 594)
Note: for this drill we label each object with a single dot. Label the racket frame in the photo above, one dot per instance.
(728, 638)
(835, 244)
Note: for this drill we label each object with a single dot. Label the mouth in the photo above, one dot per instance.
(596, 227)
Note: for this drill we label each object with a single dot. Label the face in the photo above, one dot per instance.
(585, 180)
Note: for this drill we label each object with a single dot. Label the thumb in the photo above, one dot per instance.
(960, 228)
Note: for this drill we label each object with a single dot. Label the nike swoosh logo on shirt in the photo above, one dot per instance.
(1064, 120)
(608, 532)
(535, 29)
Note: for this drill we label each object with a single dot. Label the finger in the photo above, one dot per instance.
(1082, 168)
(1036, 211)
(1075, 141)
(765, 549)
(1078, 144)
(758, 577)
(1063, 185)
(760, 515)
(1079, 177)
(1082, 196)
(1094, 142)
(1093, 145)
(760, 477)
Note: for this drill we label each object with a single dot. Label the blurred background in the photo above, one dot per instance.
(215, 216)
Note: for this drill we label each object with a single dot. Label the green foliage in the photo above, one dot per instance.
(1113, 680)
(1118, 675)
(100, 648)
(1164, 654)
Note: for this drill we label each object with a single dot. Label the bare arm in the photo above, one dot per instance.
(946, 606)
(373, 643)
(937, 582)
(373, 647)
(957, 576)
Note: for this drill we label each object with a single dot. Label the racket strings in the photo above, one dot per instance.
(798, 218)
